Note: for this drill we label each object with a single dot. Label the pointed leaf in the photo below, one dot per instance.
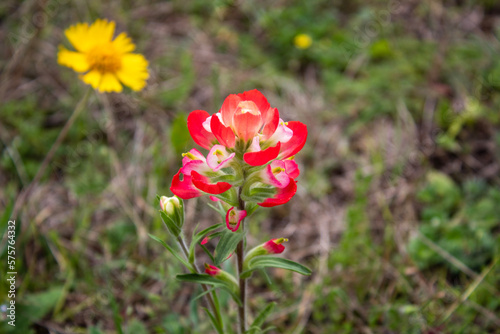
(201, 279)
(227, 244)
(172, 251)
(214, 321)
(198, 237)
(171, 225)
(276, 262)
(259, 321)
(209, 280)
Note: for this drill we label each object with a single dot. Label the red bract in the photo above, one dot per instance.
(224, 134)
(282, 196)
(195, 126)
(275, 246)
(202, 182)
(260, 158)
(234, 218)
(185, 188)
(212, 270)
(279, 173)
(297, 141)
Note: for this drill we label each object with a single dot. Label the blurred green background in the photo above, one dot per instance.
(398, 207)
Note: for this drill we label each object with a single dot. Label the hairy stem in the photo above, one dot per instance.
(208, 297)
(240, 253)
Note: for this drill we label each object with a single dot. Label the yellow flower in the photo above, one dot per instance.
(107, 63)
(302, 41)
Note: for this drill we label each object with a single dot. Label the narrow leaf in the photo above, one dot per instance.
(201, 279)
(171, 225)
(276, 262)
(227, 244)
(198, 237)
(205, 249)
(259, 321)
(204, 293)
(214, 321)
(209, 280)
(172, 251)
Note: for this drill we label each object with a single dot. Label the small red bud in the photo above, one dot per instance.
(274, 246)
(211, 270)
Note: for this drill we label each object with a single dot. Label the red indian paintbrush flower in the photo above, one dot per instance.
(248, 117)
(246, 132)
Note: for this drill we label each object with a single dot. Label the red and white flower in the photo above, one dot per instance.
(234, 218)
(245, 131)
(248, 117)
(195, 178)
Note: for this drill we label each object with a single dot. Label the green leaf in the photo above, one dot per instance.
(199, 236)
(219, 210)
(230, 197)
(204, 293)
(173, 252)
(171, 225)
(259, 320)
(205, 249)
(251, 207)
(209, 280)
(227, 244)
(201, 279)
(214, 322)
(275, 262)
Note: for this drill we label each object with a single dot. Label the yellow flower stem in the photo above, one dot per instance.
(23, 197)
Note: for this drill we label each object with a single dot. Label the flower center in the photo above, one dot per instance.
(104, 59)
(190, 156)
(219, 155)
(277, 170)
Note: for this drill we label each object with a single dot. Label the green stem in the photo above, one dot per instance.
(23, 197)
(240, 253)
(208, 297)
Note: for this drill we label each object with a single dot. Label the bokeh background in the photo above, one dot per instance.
(398, 207)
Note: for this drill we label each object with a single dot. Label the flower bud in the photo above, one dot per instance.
(273, 246)
(212, 270)
(172, 213)
(222, 275)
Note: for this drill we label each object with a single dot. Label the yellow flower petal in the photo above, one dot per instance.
(134, 71)
(78, 36)
(84, 38)
(74, 60)
(123, 43)
(109, 83)
(92, 78)
(101, 32)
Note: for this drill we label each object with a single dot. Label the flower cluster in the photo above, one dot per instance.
(250, 148)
